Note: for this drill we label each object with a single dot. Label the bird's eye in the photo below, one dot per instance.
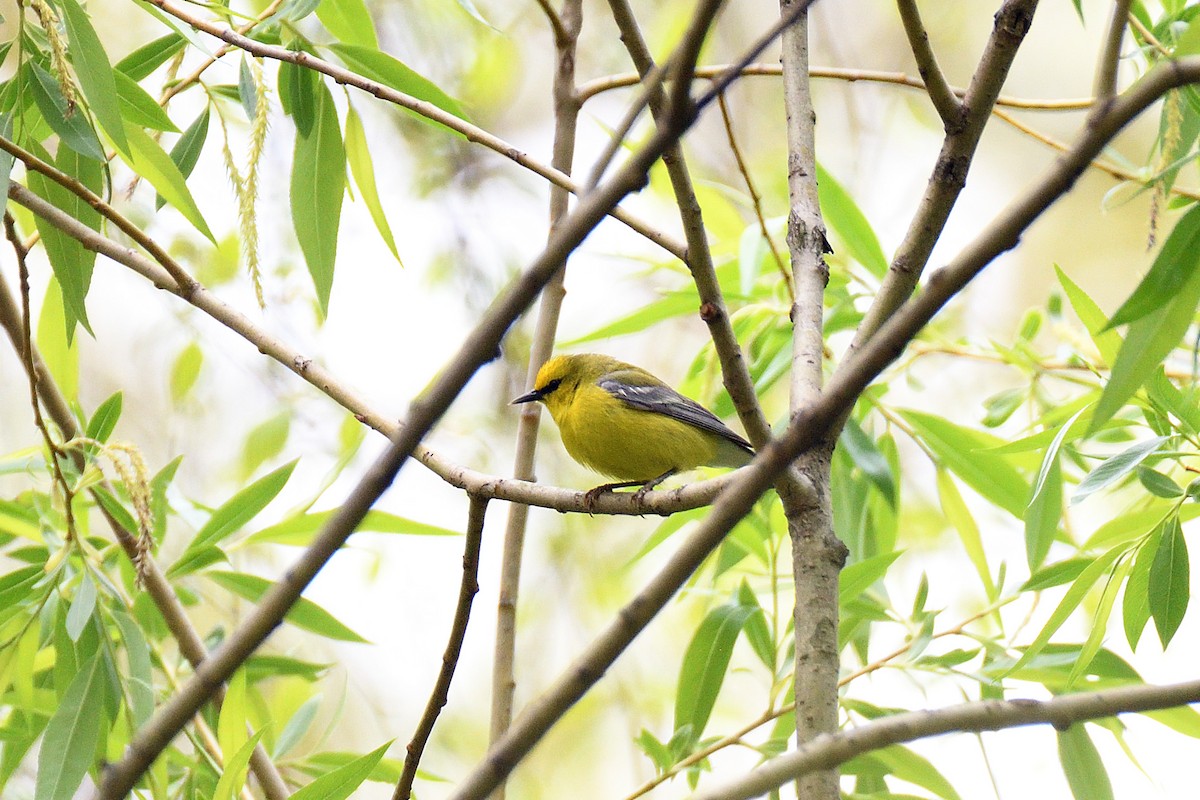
(551, 386)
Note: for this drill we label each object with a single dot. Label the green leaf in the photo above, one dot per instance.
(1158, 484)
(71, 261)
(1082, 765)
(94, 72)
(71, 126)
(317, 188)
(704, 665)
(185, 371)
(867, 457)
(233, 776)
(82, 607)
(965, 453)
(915, 769)
(186, 150)
(300, 529)
(59, 352)
(758, 633)
(379, 66)
(1168, 588)
(1113, 469)
(73, 733)
(247, 91)
(150, 56)
(101, 425)
(1043, 514)
(1056, 574)
(304, 614)
(296, 727)
(1169, 275)
(6, 161)
(139, 108)
(1135, 607)
(152, 163)
(1108, 342)
(1098, 628)
(265, 441)
(959, 515)
(231, 725)
(854, 232)
(349, 21)
(1148, 341)
(359, 158)
(298, 88)
(232, 515)
(674, 304)
(862, 575)
(1070, 601)
(342, 782)
(140, 681)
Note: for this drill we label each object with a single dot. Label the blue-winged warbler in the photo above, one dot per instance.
(623, 422)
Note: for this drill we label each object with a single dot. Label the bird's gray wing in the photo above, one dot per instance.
(662, 399)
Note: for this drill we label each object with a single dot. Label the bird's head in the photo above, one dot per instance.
(560, 377)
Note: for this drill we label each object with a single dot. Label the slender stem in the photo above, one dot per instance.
(940, 93)
(467, 590)
(471, 132)
(988, 715)
(1110, 57)
(566, 117)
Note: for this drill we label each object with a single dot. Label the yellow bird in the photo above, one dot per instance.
(623, 422)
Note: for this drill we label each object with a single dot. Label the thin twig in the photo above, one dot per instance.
(755, 197)
(566, 119)
(53, 451)
(471, 132)
(987, 715)
(467, 590)
(624, 80)
(561, 34)
(940, 93)
(1110, 57)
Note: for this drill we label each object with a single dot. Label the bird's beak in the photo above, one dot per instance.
(528, 398)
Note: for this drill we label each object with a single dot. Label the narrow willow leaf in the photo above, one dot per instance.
(1168, 588)
(142, 62)
(1082, 765)
(965, 453)
(862, 575)
(674, 304)
(1056, 574)
(959, 515)
(1169, 398)
(317, 188)
(915, 769)
(6, 160)
(1135, 606)
(341, 783)
(1113, 469)
(59, 352)
(300, 529)
(1043, 515)
(247, 91)
(867, 457)
(186, 150)
(265, 441)
(1069, 603)
(94, 72)
(75, 729)
(185, 371)
(298, 94)
(82, 607)
(73, 129)
(71, 261)
(139, 108)
(231, 724)
(101, 425)
(1148, 341)
(758, 633)
(242, 507)
(149, 160)
(380, 66)
(1099, 624)
(1158, 484)
(297, 726)
(1107, 341)
(1169, 274)
(359, 158)
(140, 680)
(233, 776)
(304, 614)
(854, 232)
(349, 21)
(704, 666)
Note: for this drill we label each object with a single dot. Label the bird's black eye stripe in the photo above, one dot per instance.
(551, 386)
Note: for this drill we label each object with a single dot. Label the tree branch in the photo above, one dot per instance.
(1110, 57)
(940, 93)
(480, 346)
(950, 171)
(458, 631)
(988, 715)
(471, 132)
